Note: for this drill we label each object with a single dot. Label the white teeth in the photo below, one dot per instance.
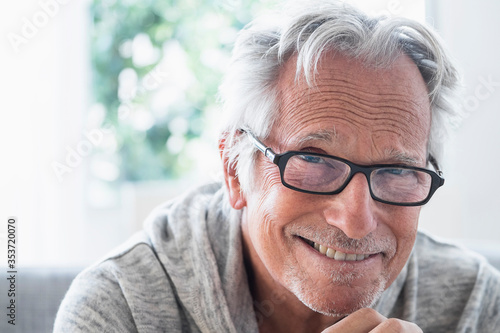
(330, 253)
(350, 257)
(338, 255)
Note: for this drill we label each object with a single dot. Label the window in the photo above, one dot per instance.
(109, 107)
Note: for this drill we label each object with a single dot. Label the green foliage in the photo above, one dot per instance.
(156, 68)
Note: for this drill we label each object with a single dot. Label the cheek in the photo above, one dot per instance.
(271, 206)
(403, 225)
(263, 200)
(406, 229)
(266, 184)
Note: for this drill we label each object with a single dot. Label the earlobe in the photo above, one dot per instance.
(236, 196)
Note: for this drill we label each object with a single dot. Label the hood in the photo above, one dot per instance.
(201, 250)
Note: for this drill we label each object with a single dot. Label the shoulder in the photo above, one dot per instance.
(438, 254)
(456, 286)
(442, 263)
(127, 291)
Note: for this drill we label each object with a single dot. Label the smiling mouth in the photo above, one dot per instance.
(334, 254)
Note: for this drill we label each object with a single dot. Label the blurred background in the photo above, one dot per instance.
(108, 108)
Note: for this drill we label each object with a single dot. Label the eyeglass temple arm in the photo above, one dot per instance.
(435, 164)
(268, 152)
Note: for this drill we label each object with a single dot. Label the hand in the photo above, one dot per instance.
(369, 320)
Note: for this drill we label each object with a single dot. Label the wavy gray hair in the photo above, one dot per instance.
(249, 91)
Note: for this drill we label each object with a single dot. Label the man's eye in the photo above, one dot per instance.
(394, 171)
(398, 172)
(312, 159)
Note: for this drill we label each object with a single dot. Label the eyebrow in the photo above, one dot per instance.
(403, 158)
(329, 136)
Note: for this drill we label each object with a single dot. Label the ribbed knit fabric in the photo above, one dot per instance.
(185, 273)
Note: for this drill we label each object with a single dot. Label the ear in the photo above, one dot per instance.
(236, 196)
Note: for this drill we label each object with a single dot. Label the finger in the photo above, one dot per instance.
(361, 321)
(394, 325)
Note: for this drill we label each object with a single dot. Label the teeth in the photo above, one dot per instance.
(350, 257)
(338, 255)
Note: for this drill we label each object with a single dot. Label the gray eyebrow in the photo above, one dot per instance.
(403, 158)
(329, 136)
(322, 135)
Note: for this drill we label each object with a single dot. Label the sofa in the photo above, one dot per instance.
(40, 291)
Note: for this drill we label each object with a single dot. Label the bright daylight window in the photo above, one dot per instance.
(156, 67)
(121, 114)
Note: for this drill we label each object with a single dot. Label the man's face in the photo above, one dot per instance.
(365, 115)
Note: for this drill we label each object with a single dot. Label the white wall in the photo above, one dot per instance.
(44, 93)
(468, 206)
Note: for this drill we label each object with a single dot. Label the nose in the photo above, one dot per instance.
(352, 210)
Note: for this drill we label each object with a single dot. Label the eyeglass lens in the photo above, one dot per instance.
(322, 174)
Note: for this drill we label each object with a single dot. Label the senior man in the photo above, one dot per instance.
(336, 123)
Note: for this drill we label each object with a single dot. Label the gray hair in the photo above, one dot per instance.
(249, 92)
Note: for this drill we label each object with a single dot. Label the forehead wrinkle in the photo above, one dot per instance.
(377, 122)
(383, 110)
(355, 91)
(360, 92)
(296, 96)
(331, 136)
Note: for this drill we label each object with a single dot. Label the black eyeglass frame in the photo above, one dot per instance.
(281, 160)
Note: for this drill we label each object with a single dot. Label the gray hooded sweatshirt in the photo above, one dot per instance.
(185, 273)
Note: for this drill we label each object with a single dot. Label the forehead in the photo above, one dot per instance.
(386, 108)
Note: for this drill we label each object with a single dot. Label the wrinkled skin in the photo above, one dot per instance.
(365, 115)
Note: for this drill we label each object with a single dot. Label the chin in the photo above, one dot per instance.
(341, 300)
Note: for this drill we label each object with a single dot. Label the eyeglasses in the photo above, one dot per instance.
(325, 174)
